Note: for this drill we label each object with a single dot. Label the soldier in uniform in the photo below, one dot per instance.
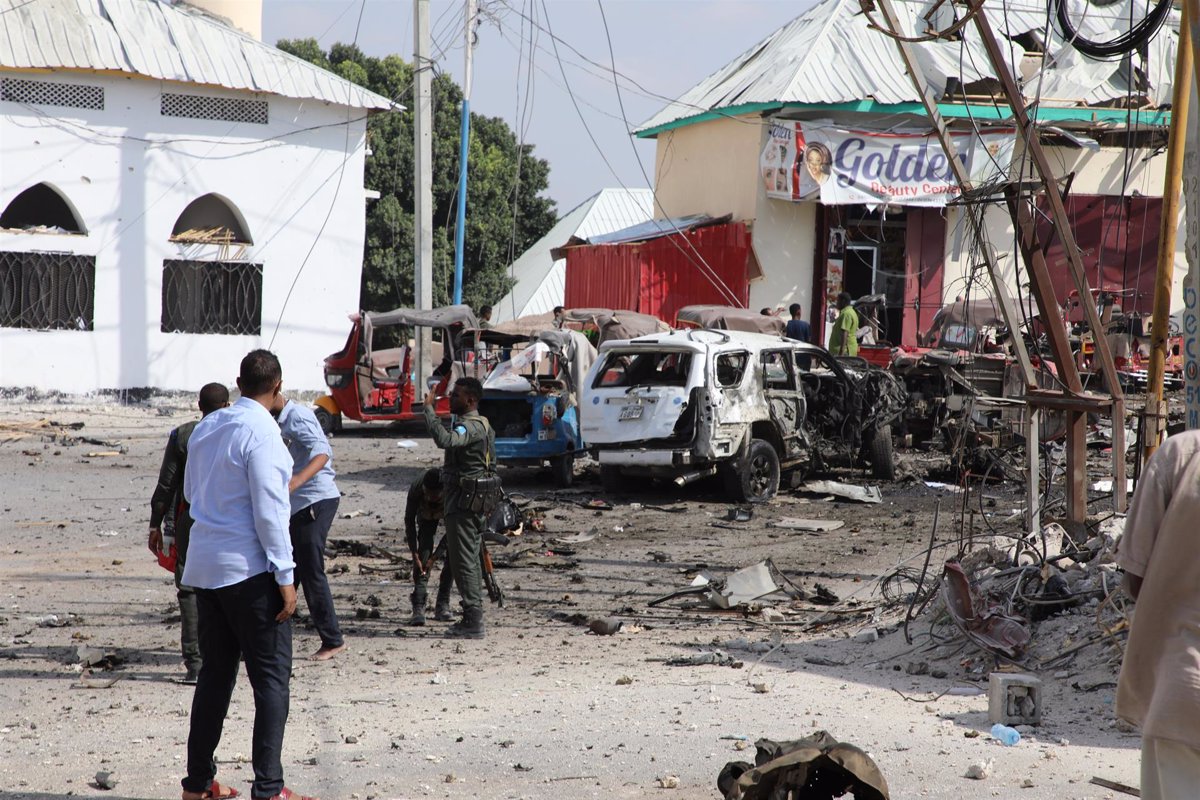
(167, 506)
(470, 447)
(423, 511)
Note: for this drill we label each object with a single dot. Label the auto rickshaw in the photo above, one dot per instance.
(370, 379)
(530, 393)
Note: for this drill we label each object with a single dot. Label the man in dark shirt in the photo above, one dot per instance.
(167, 506)
(422, 513)
(799, 330)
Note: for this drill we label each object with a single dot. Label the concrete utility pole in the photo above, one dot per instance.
(460, 230)
(423, 197)
(1154, 415)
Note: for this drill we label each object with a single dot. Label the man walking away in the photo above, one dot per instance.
(240, 561)
(423, 510)
(315, 499)
(470, 454)
(844, 339)
(167, 505)
(1159, 687)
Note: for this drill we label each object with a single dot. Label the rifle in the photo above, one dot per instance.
(495, 593)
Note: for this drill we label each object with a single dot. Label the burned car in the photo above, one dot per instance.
(747, 406)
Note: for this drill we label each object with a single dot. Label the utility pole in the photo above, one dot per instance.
(1154, 415)
(464, 136)
(423, 197)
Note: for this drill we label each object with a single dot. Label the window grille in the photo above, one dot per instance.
(211, 297)
(47, 291)
(227, 109)
(51, 93)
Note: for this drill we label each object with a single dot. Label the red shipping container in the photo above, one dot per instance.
(708, 265)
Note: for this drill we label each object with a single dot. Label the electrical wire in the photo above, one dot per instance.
(1136, 37)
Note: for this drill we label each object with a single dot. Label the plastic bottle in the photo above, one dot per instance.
(1005, 735)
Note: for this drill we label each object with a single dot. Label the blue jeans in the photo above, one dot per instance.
(237, 622)
(310, 531)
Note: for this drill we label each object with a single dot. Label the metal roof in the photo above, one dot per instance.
(829, 55)
(158, 40)
(540, 277)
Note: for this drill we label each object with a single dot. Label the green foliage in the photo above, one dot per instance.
(497, 232)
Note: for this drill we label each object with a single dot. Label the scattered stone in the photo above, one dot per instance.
(761, 688)
(450, 777)
(106, 780)
(917, 668)
(971, 734)
(668, 782)
(624, 680)
(871, 635)
(1027, 783)
(980, 770)
(770, 614)
(350, 739)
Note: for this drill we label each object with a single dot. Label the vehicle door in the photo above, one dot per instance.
(785, 400)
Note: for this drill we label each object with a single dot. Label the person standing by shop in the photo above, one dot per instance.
(843, 341)
(470, 454)
(167, 505)
(315, 499)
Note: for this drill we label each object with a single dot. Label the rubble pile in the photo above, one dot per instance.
(1042, 602)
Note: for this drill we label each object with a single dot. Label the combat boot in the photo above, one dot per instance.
(441, 609)
(418, 609)
(470, 626)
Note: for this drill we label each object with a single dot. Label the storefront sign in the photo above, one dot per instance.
(838, 166)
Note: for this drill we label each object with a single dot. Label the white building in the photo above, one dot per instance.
(540, 277)
(173, 194)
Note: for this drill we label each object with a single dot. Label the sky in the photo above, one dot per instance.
(663, 46)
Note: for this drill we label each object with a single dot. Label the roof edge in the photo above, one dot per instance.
(1158, 117)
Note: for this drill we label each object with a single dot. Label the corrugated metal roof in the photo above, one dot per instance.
(541, 280)
(830, 55)
(166, 42)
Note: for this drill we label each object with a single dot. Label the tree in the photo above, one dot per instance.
(505, 215)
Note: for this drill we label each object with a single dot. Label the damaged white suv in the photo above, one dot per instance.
(748, 406)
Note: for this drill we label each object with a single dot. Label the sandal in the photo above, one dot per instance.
(215, 791)
(288, 794)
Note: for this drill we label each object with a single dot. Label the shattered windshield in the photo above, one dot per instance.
(622, 370)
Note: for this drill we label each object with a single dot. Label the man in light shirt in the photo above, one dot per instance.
(315, 499)
(240, 563)
(1159, 687)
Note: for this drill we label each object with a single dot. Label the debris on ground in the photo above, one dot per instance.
(106, 780)
(817, 767)
(714, 658)
(846, 491)
(810, 525)
(980, 770)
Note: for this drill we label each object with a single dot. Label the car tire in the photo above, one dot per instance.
(564, 470)
(328, 422)
(612, 479)
(883, 461)
(756, 478)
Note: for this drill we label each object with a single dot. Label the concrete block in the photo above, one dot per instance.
(1014, 698)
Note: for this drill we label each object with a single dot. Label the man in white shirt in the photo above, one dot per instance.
(240, 563)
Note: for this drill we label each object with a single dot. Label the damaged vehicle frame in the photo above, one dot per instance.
(745, 406)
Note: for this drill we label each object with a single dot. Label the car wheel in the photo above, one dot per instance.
(612, 479)
(757, 477)
(328, 422)
(564, 470)
(883, 462)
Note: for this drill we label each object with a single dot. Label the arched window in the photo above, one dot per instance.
(41, 209)
(210, 219)
(209, 291)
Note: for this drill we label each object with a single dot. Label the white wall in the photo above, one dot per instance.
(129, 172)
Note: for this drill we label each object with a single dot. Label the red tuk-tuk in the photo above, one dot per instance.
(370, 379)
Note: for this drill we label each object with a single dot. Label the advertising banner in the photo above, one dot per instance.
(838, 166)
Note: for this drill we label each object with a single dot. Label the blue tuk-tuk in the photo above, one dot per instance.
(530, 395)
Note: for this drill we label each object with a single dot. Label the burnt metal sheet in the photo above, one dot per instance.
(984, 624)
(730, 319)
(429, 318)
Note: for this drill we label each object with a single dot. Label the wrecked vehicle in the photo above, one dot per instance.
(530, 396)
(691, 404)
(370, 378)
(614, 324)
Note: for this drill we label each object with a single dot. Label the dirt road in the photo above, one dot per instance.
(542, 708)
